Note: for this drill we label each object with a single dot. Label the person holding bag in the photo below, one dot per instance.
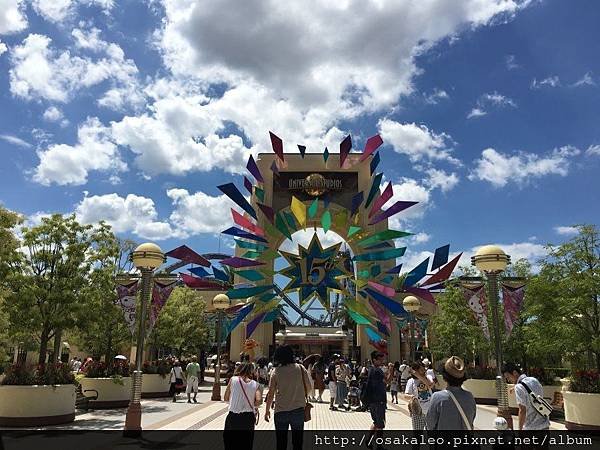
(289, 386)
(177, 380)
(244, 398)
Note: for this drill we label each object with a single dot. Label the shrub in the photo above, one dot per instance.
(544, 376)
(99, 369)
(161, 367)
(43, 374)
(481, 373)
(586, 381)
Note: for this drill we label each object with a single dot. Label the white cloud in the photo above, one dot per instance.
(15, 140)
(53, 114)
(511, 62)
(440, 179)
(410, 190)
(552, 82)
(41, 72)
(566, 231)
(199, 212)
(421, 238)
(132, 213)
(70, 164)
(416, 141)
(3, 47)
(586, 80)
(593, 150)
(490, 100)
(12, 17)
(500, 169)
(435, 97)
(57, 11)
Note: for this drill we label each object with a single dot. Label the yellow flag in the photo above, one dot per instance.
(299, 211)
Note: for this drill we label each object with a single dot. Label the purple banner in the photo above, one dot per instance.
(127, 299)
(160, 294)
(476, 299)
(513, 298)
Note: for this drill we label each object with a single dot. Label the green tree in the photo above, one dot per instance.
(454, 329)
(562, 311)
(182, 324)
(45, 285)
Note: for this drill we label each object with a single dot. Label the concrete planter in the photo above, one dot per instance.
(112, 393)
(154, 385)
(581, 410)
(30, 406)
(484, 391)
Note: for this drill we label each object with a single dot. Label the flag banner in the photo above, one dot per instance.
(387, 193)
(372, 144)
(476, 299)
(325, 155)
(313, 208)
(416, 274)
(250, 245)
(231, 191)
(238, 232)
(395, 270)
(512, 298)
(250, 275)
(302, 150)
(383, 329)
(440, 257)
(267, 211)
(383, 317)
(356, 202)
(373, 336)
(345, 147)
(444, 273)
(387, 235)
(246, 223)
(374, 188)
(199, 271)
(281, 226)
(271, 316)
(385, 290)
(186, 254)
(248, 292)
(199, 283)
(274, 168)
(291, 222)
(421, 293)
(221, 275)
(326, 221)
(237, 263)
(381, 256)
(391, 211)
(248, 185)
(241, 315)
(253, 324)
(391, 305)
(127, 300)
(358, 318)
(375, 162)
(380, 245)
(260, 193)
(299, 211)
(357, 307)
(277, 145)
(340, 219)
(160, 294)
(253, 169)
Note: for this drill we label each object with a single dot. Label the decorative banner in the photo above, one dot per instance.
(267, 211)
(373, 336)
(345, 147)
(231, 191)
(253, 169)
(512, 298)
(313, 208)
(381, 256)
(383, 329)
(237, 232)
(340, 218)
(358, 318)
(299, 211)
(253, 324)
(199, 271)
(251, 275)
(248, 185)
(237, 262)
(387, 235)
(387, 193)
(444, 273)
(374, 189)
(247, 292)
(160, 294)
(241, 315)
(186, 254)
(391, 305)
(476, 300)
(381, 314)
(277, 145)
(271, 316)
(356, 202)
(220, 275)
(391, 211)
(326, 221)
(385, 290)
(302, 150)
(289, 218)
(199, 283)
(260, 193)
(127, 300)
(421, 293)
(372, 144)
(244, 222)
(416, 274)
(281, 226)
(313, 273)
(440, 257)
(250, 245)
(374, 163)
(325, 155)
(357, 307)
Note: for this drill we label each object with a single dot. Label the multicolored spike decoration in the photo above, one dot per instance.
(369, 281)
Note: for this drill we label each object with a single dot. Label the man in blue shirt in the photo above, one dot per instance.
(529, 417)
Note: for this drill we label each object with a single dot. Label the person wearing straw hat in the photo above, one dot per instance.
(453, 408)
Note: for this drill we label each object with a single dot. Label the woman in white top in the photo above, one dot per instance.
(244, 398)
(177, 379)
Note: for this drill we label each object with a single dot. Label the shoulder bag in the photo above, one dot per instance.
(307, 405)
(538, 402)
(460, 410)
(256, 413)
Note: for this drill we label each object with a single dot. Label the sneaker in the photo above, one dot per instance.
(189, 401)
(195, 401)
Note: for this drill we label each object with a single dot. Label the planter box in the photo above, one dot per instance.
(31, 406)
(581, 410)
(512, 399)
(154, 385)
(111, 394)
(484, 391)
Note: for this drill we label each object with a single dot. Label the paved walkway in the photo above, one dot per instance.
(163, 414)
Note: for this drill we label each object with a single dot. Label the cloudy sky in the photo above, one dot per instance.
(133, 112)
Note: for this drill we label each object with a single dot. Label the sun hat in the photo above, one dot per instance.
(455, 367)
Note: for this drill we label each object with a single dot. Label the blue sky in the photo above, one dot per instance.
(133, 112)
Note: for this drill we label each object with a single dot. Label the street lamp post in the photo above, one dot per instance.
(146, 258)
(412, 305)
(220, 303)
(492, 261)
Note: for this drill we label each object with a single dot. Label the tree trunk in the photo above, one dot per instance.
(57, 345)
(43, 346)
(108, 355)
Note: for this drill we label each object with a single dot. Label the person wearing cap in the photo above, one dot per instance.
(453, 408)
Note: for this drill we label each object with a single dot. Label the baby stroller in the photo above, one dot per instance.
(354, 394)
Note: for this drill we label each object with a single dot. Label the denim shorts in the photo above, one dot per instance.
(378, 414)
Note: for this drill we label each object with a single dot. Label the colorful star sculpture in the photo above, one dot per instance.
(314, 271)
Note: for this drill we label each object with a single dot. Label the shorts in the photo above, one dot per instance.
(192, 384)
(332, 389)
(378, 414)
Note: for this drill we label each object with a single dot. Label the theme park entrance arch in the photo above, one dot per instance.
(339, 193)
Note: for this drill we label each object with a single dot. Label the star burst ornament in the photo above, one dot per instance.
(313, 273)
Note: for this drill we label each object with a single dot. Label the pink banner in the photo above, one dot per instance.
(381, 314)
(385, 290)
(513, 298)
(476, 300)
(160, 295)
(127, 299)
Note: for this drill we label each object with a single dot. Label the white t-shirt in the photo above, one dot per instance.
(418, 389)
(237, 400)
(404, 372)
(533, 419)
(176, 372)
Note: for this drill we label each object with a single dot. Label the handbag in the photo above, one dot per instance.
(256, 412)
(307, 405)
